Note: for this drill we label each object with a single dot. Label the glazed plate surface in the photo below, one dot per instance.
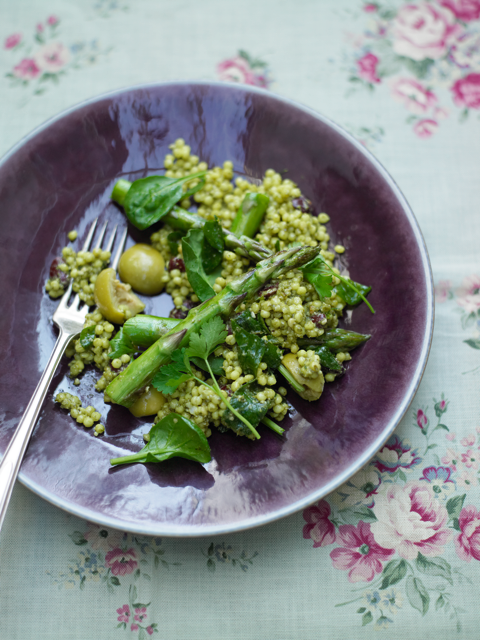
(60, 178)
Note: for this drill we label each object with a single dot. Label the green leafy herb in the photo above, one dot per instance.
(320, 275)
(173, 239)
(246, 403)
(213, 246)
(215, 364)
(169, 377)
(149, 199)
(328, 360)
(121, 344)
(202, 264)
(353, 293)
(252, 350)
(173, 436)
(87, 337)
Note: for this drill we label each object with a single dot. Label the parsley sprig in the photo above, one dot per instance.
(212, 333)
(320, 274)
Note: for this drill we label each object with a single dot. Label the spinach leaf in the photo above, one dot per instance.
(173, 239)
(328, 360)
(121, 344)
(252, 347)
(173, 436)
(149, 199)
(245, 402)
(87, 336)
(213, 246)
(192, 248)
(319, 274)
(350, 295)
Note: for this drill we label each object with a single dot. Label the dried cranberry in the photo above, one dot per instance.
(318, 319)
(182, 312)
(269, 290)
(176, 263)
(303, 204)
(55, 272)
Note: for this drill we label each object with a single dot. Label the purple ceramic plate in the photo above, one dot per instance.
(60, 178)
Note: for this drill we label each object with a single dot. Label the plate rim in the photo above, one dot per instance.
(197, 531)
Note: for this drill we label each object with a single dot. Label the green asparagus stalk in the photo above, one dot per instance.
(243, 246)
(250, 214)
(143, 331)
(127, 386)
(336, 340)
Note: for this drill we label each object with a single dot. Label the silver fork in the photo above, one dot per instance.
(69, 320)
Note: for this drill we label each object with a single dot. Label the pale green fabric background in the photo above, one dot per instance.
(290, 590)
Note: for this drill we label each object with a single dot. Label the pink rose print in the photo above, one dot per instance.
(396, 455)
(467, 441)
(124, 613)
(121, 562)
(466, 93)
(424, 30)
(318, 527)
(134, 627)
(467, 543)
(422, 420)
(12, 40)
(370, 8)
(27, 69)
(52, 21)
(415, 97)
(468, 295)
(360, 555)
(52, 57)
(149, 630)
(465, 53)
(467, 479)
(367, 68)
(410, 519)
(238, 69)
(451, 459)
(40, 27)
(425, 128)
(102, 539)
(470, 458)
(464, 10)
(442, 289)
(451, 436)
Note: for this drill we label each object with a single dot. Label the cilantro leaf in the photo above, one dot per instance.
(87, 337)
(169, 377)
(212, 333)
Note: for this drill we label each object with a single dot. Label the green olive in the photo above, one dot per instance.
(114, 299)
(148, 404)
(313, 386)
(142, 267)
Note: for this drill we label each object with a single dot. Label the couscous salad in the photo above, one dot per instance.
(256, 303)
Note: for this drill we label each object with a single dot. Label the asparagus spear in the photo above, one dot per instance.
(125, 388)
(337, 340)
(143, 331)
(250, 214)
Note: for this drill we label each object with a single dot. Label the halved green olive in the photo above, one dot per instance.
(142, 267)
(313, 386)
(148, 404)
(114, 299)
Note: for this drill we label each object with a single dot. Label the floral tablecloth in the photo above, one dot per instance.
(396, 551)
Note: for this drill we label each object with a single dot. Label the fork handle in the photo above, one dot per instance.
(11, 461)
